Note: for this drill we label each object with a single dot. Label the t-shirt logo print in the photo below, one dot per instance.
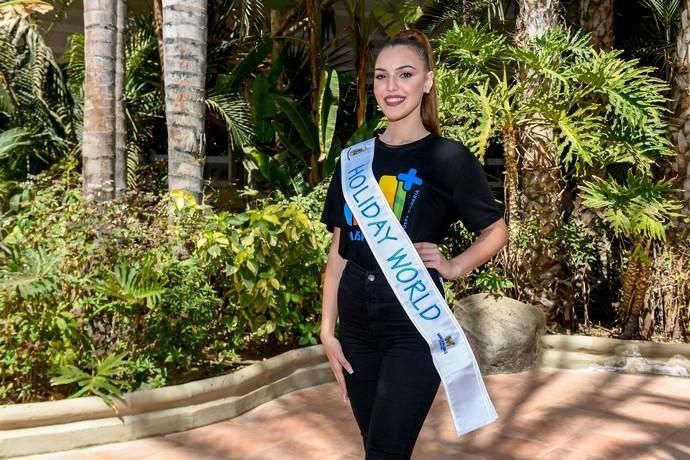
(395, 189)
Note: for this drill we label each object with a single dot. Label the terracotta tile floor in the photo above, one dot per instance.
(544, 414)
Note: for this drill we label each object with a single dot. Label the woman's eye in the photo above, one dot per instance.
(380, 77)
(406, 74)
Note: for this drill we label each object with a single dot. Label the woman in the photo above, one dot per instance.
(380, 361)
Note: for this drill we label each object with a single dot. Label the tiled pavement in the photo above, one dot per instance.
(544, 414)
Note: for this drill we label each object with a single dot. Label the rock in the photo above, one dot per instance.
(504, 333)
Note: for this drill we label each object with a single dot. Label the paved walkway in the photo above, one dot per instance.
(544, 414)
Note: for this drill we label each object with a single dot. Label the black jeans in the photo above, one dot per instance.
(394, 380)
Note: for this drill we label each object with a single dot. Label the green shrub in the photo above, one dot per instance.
(81, 285)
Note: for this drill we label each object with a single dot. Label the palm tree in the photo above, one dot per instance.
(98, 148)
(120, 121)
(184, 51)
(597, 19)
(158, 23)
(681, 105)
(543, 183)
(145, 105)
(639, 210)
(535, 19)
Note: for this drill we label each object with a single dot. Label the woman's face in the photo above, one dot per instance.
(400, 81)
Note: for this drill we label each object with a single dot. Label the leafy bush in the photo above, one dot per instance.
(111, 297)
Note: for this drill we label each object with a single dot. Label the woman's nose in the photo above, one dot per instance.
(391, 84)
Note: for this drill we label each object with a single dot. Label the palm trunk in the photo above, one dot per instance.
(635, 286)
(544, 284)
(184, 51)
(98, 149)
(158, 24)
(681, 106)
(120, 121)
(536, 17)
(510, 158)
(597, 19)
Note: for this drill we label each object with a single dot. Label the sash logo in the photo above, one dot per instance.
(445, 342)
(356, 151)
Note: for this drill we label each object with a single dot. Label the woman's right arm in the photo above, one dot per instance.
(329, 315)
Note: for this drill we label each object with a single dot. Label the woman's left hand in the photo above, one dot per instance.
(433, 258)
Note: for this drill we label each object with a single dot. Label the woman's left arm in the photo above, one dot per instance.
(487, 245)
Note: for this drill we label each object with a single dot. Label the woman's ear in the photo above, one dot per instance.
(429, 83)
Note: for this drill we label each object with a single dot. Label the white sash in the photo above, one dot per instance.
(469, 402)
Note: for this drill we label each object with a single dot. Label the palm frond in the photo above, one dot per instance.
(11, 140)
(235, 114)
(75, 62)
(439, 15)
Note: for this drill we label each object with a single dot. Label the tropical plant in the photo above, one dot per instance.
(277, 115)
(35, 105)
(640, 210)
(440, 16)
(103, 381)
(602, 113)
(653, 37)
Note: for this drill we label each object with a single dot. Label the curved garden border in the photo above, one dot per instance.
(34, 428)
(27, 429)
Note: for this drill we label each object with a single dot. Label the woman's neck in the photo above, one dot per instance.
(403, 132)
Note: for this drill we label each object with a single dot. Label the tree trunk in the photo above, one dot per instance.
(278, 19)
(681, 106)
(314, 15)
(158, 25)
(597, 18)
(359, 26)
(510, 157)
(184, 51)
(120, 121)
(98, 148)
(571, 12)
(545, 282)
(362, 61)
(635, 286)
(535, 18)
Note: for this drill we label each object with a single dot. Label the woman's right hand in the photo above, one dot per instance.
(337, 361)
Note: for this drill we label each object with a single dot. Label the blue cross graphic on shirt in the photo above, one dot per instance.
(410, 178)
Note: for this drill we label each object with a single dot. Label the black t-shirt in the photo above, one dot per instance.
(430, 184)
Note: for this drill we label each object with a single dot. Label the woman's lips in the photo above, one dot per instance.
(392, 101)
